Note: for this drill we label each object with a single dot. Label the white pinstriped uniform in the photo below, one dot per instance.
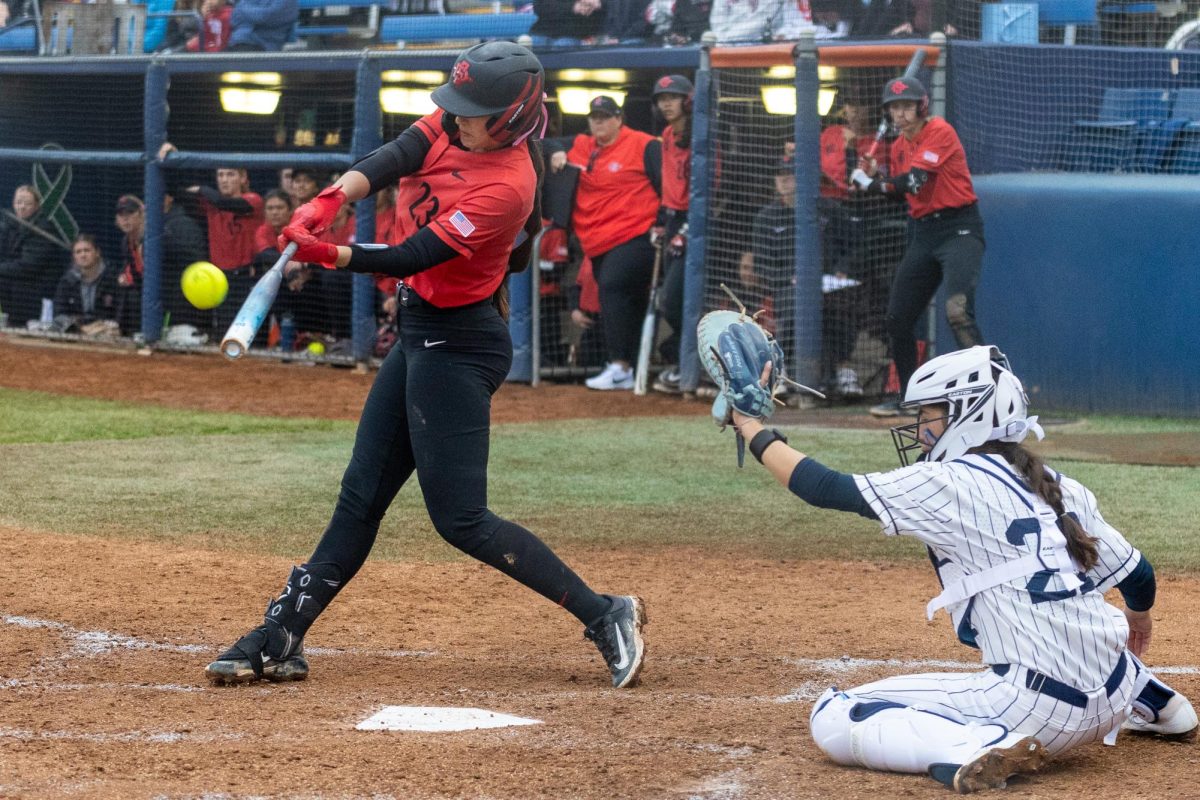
(973, 513)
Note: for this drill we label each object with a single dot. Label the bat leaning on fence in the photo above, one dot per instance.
(641, 373)
(250, 316)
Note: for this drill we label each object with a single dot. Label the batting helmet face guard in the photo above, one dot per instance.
(906, 89)
(674, 84)
(499, 80)
(984, 400)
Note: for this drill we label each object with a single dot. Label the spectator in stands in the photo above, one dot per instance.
(876, 19)
(262, 25)
(183, 28)
(566, 23)
(88, 290)
(304, 185)
(616, 203)
(131, 221)
(735, 21)
(945, 242)
(679, 22)
(214, 29)
(29, 259)
(12, 11)
(672, 96)
(624, 21)
(277, 210)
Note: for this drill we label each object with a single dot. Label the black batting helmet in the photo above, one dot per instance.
(906, 89)
(674, 84)
(500, 80)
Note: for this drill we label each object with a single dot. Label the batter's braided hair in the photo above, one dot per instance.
(1080, 544)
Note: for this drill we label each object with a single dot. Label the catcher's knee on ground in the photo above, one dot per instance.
(891, 737)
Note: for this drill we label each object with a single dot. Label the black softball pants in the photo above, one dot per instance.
(429, 411)
(671, 294)
(623, 274)
(945, 245)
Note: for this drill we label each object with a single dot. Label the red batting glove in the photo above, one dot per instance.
(322, 253)
(313, 218)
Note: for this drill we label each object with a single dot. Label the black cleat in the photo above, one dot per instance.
(248, 661)
(618, 635)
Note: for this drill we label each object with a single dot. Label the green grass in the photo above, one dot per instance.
(268, 485)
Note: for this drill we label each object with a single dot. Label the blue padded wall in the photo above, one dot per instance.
(1091, 285)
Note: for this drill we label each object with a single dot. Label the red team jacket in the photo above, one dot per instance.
(230, 236)
(676, 171)
(614, 201)
(476, 203)
(938, 151)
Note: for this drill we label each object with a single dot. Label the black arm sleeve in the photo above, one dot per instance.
(238, 205)
(820, 486)
(402, 156)
(415, 254)
(652, 163)
(1138, 588)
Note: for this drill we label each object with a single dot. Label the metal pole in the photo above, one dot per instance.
(698, 193)
(154, 133)
(807, 130)
(368, 135)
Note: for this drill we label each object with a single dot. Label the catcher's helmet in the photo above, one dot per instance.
(500, 80)
(985, 402)
(906, 89)
(674, 84)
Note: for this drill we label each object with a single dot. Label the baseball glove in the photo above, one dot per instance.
(735, 350)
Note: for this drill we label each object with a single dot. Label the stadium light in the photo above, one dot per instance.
(577, 99)
(613, 77)
(238, 100)
(825, 72)
(781, 100)
(404, 100)
(426, 77)
(253, 78)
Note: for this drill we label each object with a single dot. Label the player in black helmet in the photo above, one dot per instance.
(946, 231)
(467, 201)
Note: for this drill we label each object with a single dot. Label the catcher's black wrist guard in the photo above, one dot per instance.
(764, 439)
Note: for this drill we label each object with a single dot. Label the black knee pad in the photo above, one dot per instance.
(309, 589)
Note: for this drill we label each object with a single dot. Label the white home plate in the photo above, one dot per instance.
(436, 719)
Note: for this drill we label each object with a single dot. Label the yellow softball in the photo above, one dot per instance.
(204, 285)
(316, 348)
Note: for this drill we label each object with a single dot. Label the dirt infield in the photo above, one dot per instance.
(102, 644)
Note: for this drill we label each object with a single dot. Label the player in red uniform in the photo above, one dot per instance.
(468, 178)
(616, 202)
(672, 97)
(946, 240)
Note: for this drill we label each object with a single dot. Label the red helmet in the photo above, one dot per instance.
(499, 80)
(906, 89)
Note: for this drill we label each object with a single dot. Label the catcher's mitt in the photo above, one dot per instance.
(735, 350)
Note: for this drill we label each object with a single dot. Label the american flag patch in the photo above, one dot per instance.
(461, 223)
(930, 156)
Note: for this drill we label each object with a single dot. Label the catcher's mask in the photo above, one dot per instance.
(983, 402)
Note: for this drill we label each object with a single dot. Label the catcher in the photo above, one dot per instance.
(1024, 558)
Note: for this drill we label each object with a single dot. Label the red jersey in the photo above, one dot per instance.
(936, 150)
(385, 225)
(231, 238)
(341, 235)
(676, 171)
(589, 290)
(214, 32)
(835, 173)
(614, 201)
(477, 203)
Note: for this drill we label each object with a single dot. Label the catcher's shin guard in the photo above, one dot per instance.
(275, 649)
(889, 736)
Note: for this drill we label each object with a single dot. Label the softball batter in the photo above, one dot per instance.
(1023, 557)
(468, 182)
(945, 232)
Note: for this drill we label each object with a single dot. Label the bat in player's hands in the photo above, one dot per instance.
(250, 316)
